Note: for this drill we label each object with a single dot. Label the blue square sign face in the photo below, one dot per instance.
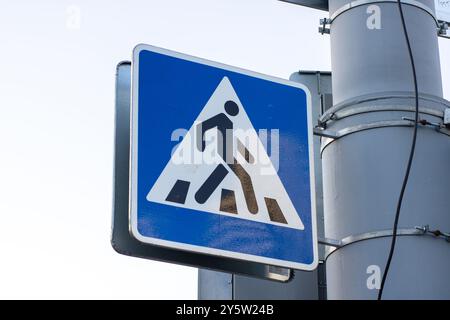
(221, 161)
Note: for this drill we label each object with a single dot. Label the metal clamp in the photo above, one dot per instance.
(437, 233)
(330, 136)
(323, 132)
(425, 122)
(330, 242)
(348, 112)
(323, 26)
(334, 245)
(348, 108)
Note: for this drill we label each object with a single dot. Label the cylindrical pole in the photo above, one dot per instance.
(373, 99)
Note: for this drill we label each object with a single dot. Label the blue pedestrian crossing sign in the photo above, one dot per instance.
(221, 161)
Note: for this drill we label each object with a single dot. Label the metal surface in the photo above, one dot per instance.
(358, 3)
(363, 172)
(375, 113)
(441, 18)
(418, 271)
(214, 285)
(374, 235)
(303, 286)
(380, 108)
(440, 10)
(372, 63)
(219, 285)
(330, 242)
(334, 135)
(397, 100)
(335, 244)
(121, 240)
(361, 127)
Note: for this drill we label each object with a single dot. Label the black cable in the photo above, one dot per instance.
(411, 155)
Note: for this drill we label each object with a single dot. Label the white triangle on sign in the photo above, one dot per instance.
(189, 168)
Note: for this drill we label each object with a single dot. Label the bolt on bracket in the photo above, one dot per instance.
(323, 26)
(442, 30)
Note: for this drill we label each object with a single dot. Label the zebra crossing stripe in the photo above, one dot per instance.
(228, 201)
(179, 192)
(275, 213)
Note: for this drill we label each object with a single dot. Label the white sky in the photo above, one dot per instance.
(56, 127)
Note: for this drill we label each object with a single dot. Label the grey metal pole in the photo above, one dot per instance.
(364, 161)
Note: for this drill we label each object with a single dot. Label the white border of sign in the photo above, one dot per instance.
(133, 168)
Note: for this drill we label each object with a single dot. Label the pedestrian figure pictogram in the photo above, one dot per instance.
(242, 180)
(225, 149)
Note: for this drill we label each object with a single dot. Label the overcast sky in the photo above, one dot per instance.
(57, 63)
